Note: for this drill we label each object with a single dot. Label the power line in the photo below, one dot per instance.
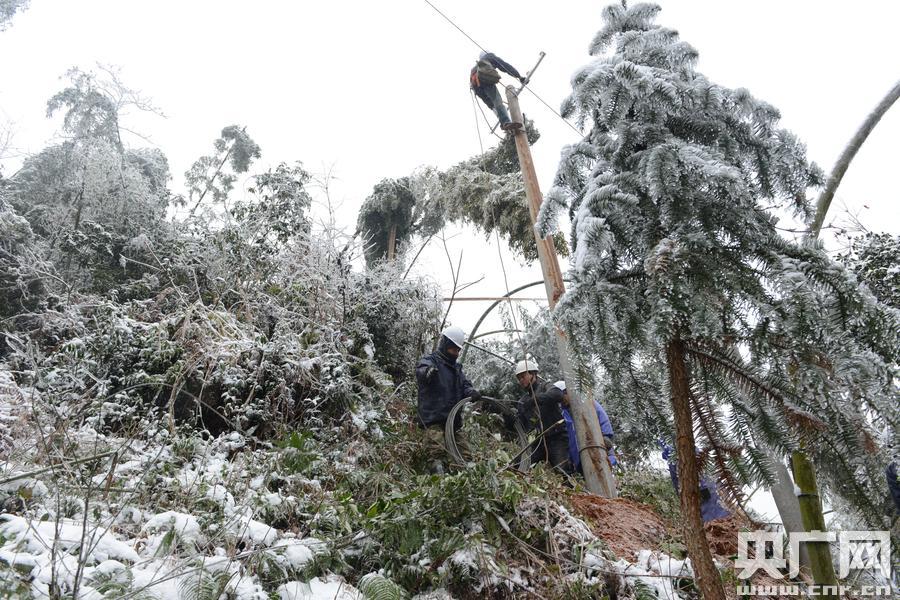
(555, 112)
(449, 20)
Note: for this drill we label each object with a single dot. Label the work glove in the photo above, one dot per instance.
(430, 374)
(509, 420)
(524, 80)
(475, 396)
(492, 406)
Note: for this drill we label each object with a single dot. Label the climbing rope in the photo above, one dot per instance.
(492, 129)
(477, 128)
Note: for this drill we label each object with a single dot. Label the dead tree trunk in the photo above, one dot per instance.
(392, 243)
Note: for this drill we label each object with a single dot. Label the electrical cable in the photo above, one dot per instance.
(449, 20)
(555, 112)
(453, 448)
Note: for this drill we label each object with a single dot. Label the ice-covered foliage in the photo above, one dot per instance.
(331, 509)
(531, 334)
(389, 207)
(8, 9)
(75, 191)
(209, 177)
(486, 191)
(90, 197)
(232, 335)
(875, 259)
(22, 288)
(671, 198)
(238, 324)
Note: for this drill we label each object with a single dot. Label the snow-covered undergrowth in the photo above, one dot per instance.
(158, 516)
(88, 514)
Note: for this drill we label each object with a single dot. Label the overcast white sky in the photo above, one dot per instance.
(375, 89)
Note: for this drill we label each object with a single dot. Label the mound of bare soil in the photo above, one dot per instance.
(722, 535)
(626, 526)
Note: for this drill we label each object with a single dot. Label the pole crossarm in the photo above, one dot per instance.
(530, 73)
(495, 298)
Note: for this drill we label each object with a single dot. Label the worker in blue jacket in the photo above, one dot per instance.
(710, 507)
(893, 484)
(605, 428)
(483, 80)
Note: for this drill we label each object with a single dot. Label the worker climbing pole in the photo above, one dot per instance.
(597, 471)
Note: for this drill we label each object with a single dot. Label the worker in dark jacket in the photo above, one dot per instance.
(442, 384)
(538, 408)
(483, 80)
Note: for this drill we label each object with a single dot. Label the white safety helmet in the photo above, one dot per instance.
(528, 364)
(561, 385)
(455, 334)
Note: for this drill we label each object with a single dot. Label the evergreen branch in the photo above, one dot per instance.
(798, 418)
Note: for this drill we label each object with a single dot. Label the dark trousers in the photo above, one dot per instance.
(555, 450)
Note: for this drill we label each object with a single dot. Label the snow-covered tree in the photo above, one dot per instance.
(875, 259)
(683, 287)
(213, 175)
(386, 217)
(8, 9)
(486, 191)
(22, 286)
(88, 197)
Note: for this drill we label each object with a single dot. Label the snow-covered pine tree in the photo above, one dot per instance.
(875, 259)
(682, 286)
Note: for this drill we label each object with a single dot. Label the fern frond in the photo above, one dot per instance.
(204, 585)
(375, 586)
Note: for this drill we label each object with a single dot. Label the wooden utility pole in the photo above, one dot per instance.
(597, 472)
